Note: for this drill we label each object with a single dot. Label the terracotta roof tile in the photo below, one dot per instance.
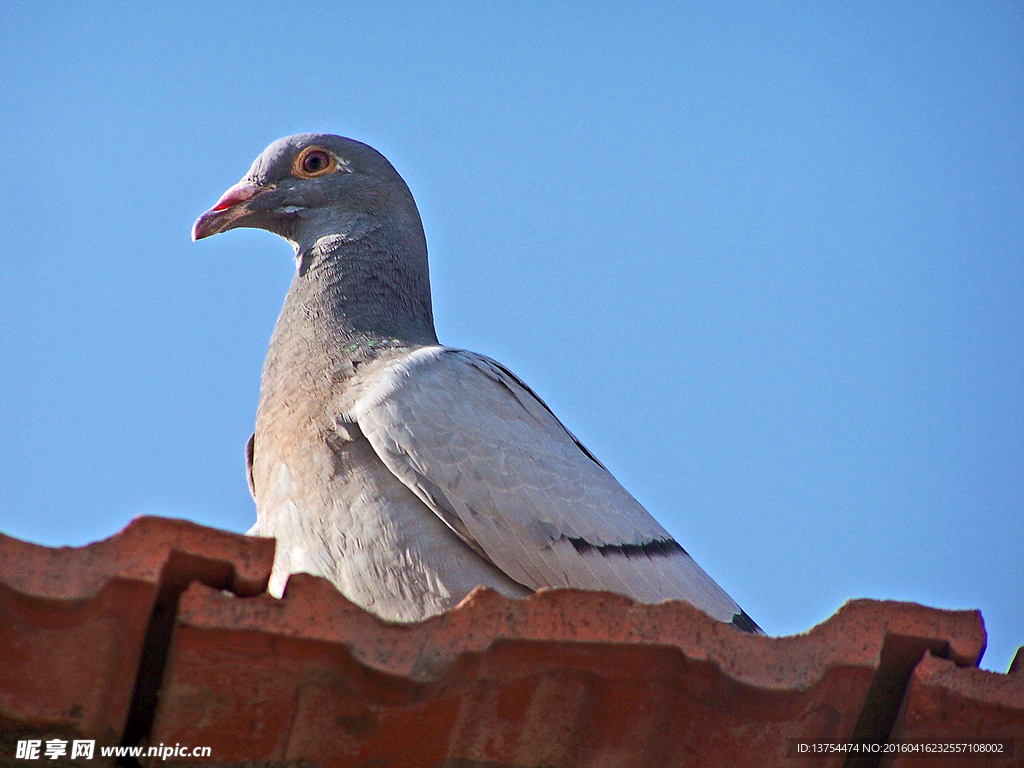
(531, 682)
(74, 621)
(564, 678)
(945, 702)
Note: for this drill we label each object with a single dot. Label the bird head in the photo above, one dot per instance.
(308, 186)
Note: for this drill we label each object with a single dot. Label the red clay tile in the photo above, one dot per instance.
(74, 621)
(948, 703)
(564, 678)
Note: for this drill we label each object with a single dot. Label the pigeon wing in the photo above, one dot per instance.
(486, 455)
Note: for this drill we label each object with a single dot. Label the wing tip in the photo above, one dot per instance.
(744, 623)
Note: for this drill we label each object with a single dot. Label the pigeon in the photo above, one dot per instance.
(406, 472)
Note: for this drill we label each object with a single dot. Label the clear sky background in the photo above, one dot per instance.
(766, 261)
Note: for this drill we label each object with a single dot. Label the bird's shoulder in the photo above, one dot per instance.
(466, 425)
(440, 385)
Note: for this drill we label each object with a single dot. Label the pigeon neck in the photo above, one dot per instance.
(373, 290)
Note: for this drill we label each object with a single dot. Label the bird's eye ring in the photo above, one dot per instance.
(312, 162)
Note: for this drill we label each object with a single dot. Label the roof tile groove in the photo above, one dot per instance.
(73, 621)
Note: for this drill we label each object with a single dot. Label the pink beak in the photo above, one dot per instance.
(227, 210)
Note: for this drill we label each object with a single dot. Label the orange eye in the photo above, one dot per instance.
(313, 162)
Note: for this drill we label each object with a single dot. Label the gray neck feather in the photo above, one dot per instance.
(358, 291)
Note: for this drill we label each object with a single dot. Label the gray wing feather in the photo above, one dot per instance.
(491, 460)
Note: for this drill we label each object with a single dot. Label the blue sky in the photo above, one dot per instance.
(767, 262)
